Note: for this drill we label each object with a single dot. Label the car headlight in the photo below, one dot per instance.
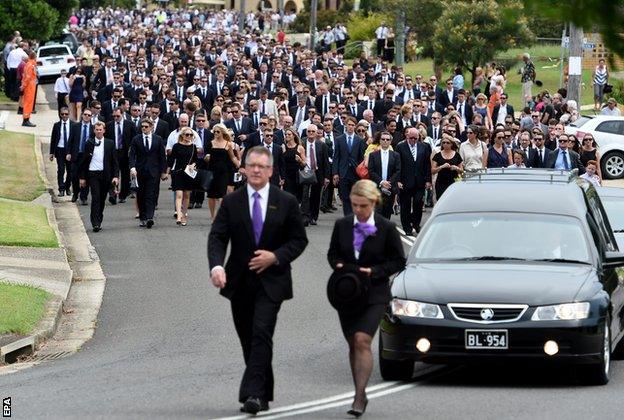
(415, 309)
(563, 312)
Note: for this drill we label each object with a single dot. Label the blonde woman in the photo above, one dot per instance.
(294, 161)
(183, 158)
(221, 158)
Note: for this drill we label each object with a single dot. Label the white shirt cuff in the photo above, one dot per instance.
(216, 267)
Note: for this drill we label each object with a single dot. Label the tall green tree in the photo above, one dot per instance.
(473, 32)
(64, 8)
(35, 19)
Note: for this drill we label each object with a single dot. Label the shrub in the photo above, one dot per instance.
(362, 28)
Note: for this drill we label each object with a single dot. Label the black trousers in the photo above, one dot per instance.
(411, 201)
(311, 201)
(327, 199)
(99, 186)
(385, 208)
(255, 316)
(197, 196)
(147, 195)
(340, 46)
(60, 102)
(11, 81)
(77, 190)
(124, 174)
(381, 44)
(344, 189)
(63, 169)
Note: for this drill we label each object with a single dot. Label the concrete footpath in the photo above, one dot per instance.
(71, 273)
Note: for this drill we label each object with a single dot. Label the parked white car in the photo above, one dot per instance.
(51, 59)
(609, 134)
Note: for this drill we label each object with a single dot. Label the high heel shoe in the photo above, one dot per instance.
(358, 412)
(178, 222)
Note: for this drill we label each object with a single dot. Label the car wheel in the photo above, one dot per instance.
(612, 165)
(394, 370)
(598, 373)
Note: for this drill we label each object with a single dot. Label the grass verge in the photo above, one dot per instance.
(21, 308)
(545, 58)
(19, 176)
(24, 224)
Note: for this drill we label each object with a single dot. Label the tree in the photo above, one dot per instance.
(64, 8)
(473, 32)
(35, 19)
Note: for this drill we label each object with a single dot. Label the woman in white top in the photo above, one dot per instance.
(599, 79)
(518, 158)
(473, 152)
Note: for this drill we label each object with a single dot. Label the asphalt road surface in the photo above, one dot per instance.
(165, 347)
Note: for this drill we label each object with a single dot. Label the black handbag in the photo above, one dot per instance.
(307, 176)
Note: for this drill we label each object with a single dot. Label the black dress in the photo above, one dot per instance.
(182, 155)
(446, 176)
(220, 165)
(587, 155)
(383, 253)
(291, 172)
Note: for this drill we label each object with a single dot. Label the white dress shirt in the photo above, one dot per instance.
(97, 160)
(385, 156)
(264, 199)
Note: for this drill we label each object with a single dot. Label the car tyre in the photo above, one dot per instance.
(612, 165)
(394, 370)
(598, 373)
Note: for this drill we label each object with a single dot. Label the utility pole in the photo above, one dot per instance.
(241, 17)
(280, 7)
(313, 7)
(575, 63)
(561, 57)
(399, 39)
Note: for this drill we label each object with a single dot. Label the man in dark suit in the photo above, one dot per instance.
(265, 228)
(464, 109)
(448, 96)
(161, 127)
(99, 169)
(108, 106)
(148, 165)
(348, 154)
(525, 147)
(59, 149)
(542, 154)
(564, 158)
(240, 125)
(384, 169)
(415, 177)
(435, 129)
(497, 116)
(317, 159)
(277, 178)
(121, 132)
(83, 131)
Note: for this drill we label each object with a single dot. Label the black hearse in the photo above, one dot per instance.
(513, 264)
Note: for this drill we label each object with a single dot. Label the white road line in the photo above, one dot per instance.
(347, 396)
(404, 238)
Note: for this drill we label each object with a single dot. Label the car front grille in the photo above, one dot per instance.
(483, 313)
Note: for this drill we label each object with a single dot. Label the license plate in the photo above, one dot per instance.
(487, 339)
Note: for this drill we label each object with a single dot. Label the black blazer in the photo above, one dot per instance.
(151, 162)
(510, 111)
(375, 169)
(74, 142)
(573, 158)
(162, 129)
(345, 162)
(382, 252)
(414, 174)
(536, 163)
(128, 131)
(321, 153)
(56, 136)
(283, 234)
(111, 166)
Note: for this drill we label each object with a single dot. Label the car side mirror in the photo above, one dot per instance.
(613, 259)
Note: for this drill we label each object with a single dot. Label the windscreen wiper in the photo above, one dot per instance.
(618, 231)
(563, 260)
(490, 258)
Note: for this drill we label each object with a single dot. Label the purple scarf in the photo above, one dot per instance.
(360, 232)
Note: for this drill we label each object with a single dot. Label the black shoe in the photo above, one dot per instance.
(19, 111)
(191, 205)
(112, 200)
(264, 406)
(334, 208)
(253, 405)
(33, 112)
(142, 223)
(149, 224)
(122, 200)
(357, 412)
(132, 195)
(198, 205)
(325, 210)
(61, 193)
(27, 123)
(306, 223)
(74, 198)
(410, 233)
(313, 222)
(175, 215)
(97, 228)
(83, 202)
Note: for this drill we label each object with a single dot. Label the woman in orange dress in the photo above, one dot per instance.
(29, 88)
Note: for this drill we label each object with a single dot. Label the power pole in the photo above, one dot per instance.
(399, 44)
(313, 7)
(563, 48)
(280, 7)
(241, 17)
(575, 63)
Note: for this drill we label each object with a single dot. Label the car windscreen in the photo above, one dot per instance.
(580, 121)
(473, 236)
(51, 52)
(614, 206)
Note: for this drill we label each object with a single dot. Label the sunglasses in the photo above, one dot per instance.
(563, 141)
(86, 115)
(188, 134)
(145, 126)
(64, 113)
(446, 142)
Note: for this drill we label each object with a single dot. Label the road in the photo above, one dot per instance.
(165, 347)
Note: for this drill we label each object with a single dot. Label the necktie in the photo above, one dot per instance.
(435, 133)
(83, 138)
(299, 118)
(312, 156)
(256, 217)
(268, 146)
(238, 125)
(350, 142)
(263, 109)
(136, 121)
(119, 136)
(540, 155)
(200, 132)
(370, 104)
(146, 142)
(461, 114)
(413, 150)
(64, 134)
(255, 119)
(566, 165)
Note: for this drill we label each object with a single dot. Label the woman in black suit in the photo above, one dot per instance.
(373, 244)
